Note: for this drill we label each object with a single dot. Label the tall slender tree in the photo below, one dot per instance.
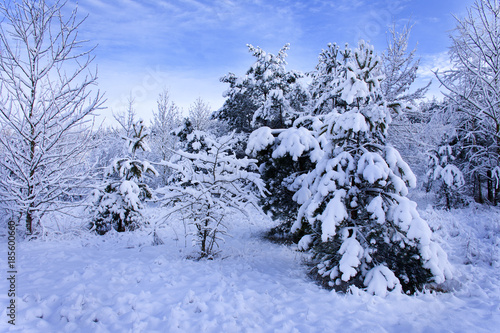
(473, 86)
(199, 115)
(46, 104)
(400, 66)
(162, 139)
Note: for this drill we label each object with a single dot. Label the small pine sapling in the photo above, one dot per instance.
(118, 204)
(445, 176)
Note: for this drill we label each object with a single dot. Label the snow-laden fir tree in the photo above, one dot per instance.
(268, 95)
(445, 176)
(239, 106)
(283, 156)
(119, 203)
(326, 78)
(272, 84)
(365, 232)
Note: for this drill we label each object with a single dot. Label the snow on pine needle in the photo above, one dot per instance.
(119, 203)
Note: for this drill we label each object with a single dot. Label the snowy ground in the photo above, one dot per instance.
(120, 283)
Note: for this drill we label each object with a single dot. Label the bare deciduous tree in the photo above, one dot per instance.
(199, 114)
(126, 119)
(46, 107)
(408, 129)
(400, 68)
(473, 86)
(165, 120)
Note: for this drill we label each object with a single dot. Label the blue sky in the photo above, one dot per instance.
(185, 46)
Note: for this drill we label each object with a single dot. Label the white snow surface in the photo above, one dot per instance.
(77, 282)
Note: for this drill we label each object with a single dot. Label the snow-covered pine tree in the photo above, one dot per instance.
(268, 95)
(445, 175)
(239, 106)
(271, 84)
(283, 155)
(330, 70)
(118, 204)
(207, 183)
(366, 232)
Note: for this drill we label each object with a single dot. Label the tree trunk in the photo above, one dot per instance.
(29, 222)
(491, 189)
(478, 196)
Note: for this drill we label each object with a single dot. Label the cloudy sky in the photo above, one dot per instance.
(185, 46)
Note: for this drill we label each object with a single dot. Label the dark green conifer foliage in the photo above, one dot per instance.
(119, 204)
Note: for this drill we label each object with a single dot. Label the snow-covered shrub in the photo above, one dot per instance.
(118, 204)
(208, 182)
(445, 177)
(365, 232)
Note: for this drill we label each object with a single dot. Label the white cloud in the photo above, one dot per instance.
(430, 63)
(195, 42)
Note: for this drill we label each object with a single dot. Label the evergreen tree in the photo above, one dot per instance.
(238, 108)
(444, 175)
(268, 95)
(330, 71)
(364, 231)
(287, 154)
(119, 203)
(283, 156)
(271, 84)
